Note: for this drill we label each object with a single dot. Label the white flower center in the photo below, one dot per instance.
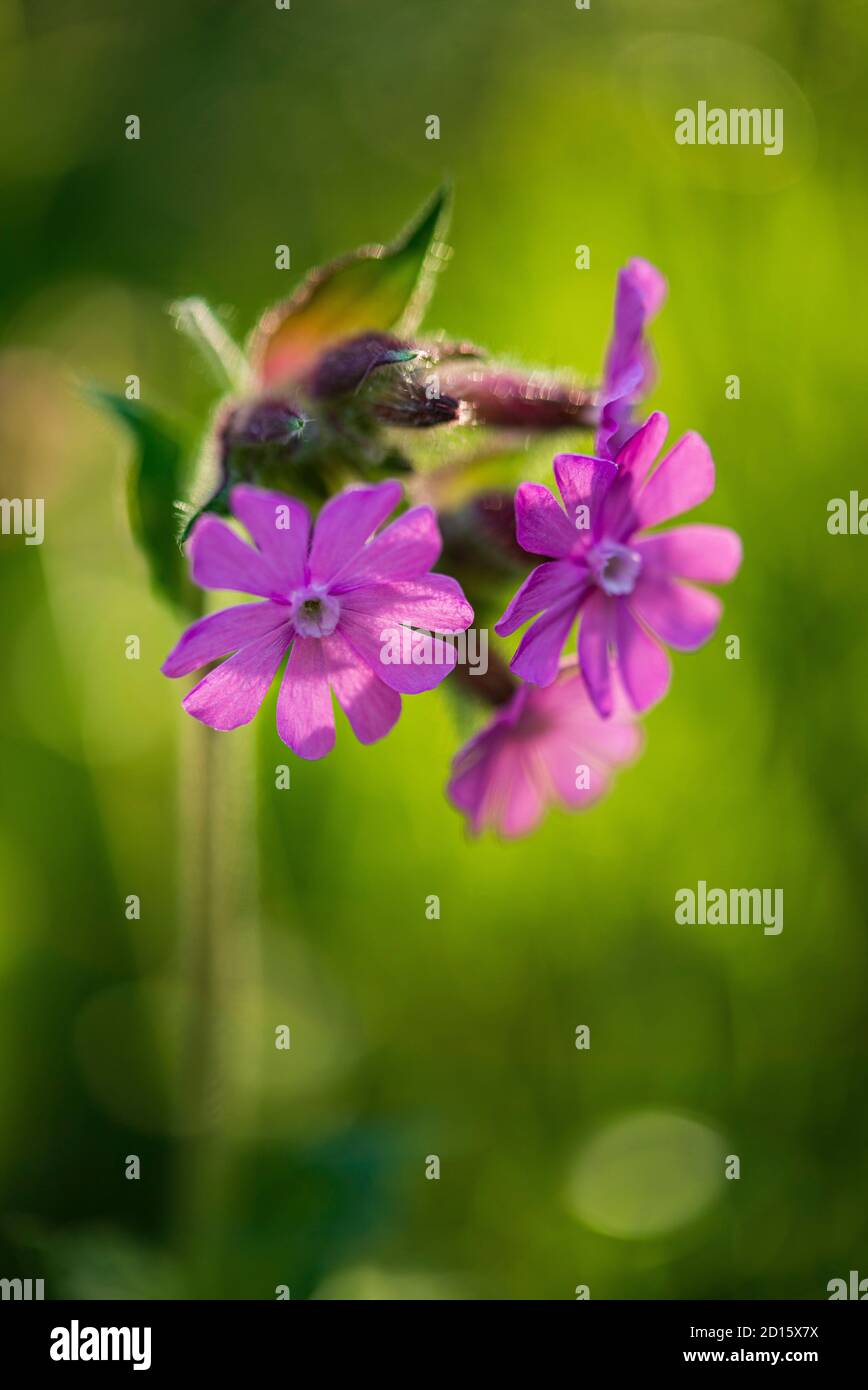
(615, 567)
(315, 612)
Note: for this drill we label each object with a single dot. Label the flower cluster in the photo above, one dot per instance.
(335, 386)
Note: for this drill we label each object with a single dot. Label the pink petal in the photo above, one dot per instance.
(221, 560)
(711, 554)
(650, 284)
(305, 718)
(493, 783)
(435, 602)
(523, 798)
(539, 651)
(643, 664)
(345, 523)
(639, 294)
(223, 632)
(679, 614)
(596, 635)
(638, 454)
(545, 586)
(583, 482)
(541, 526)
(230, 695)
(563, 755)
(471, 772)
(571, 714)
(404, 550)
(370, 705)
(684, 479)
(617, 396)
(629, 369)
(618, 520)
(607, 742)
(280, 527)
(370, 637)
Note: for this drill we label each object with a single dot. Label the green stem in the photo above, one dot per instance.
(218, 872)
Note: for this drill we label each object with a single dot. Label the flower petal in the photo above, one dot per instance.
(651, 284)
(562, 755)
(305, 718)
(406, 549)
(680, 614)
(221, 560)
(541, 525)
(495, 785)
(639, 295)
(370, 705)
(280, 526)
(522, 801)
(616, 400)
(583, 481)
(345, 523)
(638, 454)
(231, 695)
(374, 640)
(629, 369)
(684, 479)
(539, 651)
(596, 636)
(617, 519)
(222, 632)
(435, 602)
(547, 585)
(471, 770)
(609, 741)
(644, 665)
(711, 554)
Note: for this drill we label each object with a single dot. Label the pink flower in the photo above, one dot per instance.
(629, 370)
(627, 585)
(544, 746)
(329, 597)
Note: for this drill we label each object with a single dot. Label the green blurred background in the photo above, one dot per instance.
(410, 1038)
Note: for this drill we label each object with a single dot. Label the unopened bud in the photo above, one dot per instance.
(345, 368)
(265, 422)
(511, 400)
(409, 404)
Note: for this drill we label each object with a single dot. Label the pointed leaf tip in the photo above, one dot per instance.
(376, 288)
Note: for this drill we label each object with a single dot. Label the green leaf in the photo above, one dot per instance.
(154, 484)
(375, 288)
(199, 323)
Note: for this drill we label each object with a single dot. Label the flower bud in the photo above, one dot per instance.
(262, 423)
(411, 404)
(512, 400)
(343, 369)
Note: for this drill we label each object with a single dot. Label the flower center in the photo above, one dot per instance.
(615, 567)
(315, 612)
